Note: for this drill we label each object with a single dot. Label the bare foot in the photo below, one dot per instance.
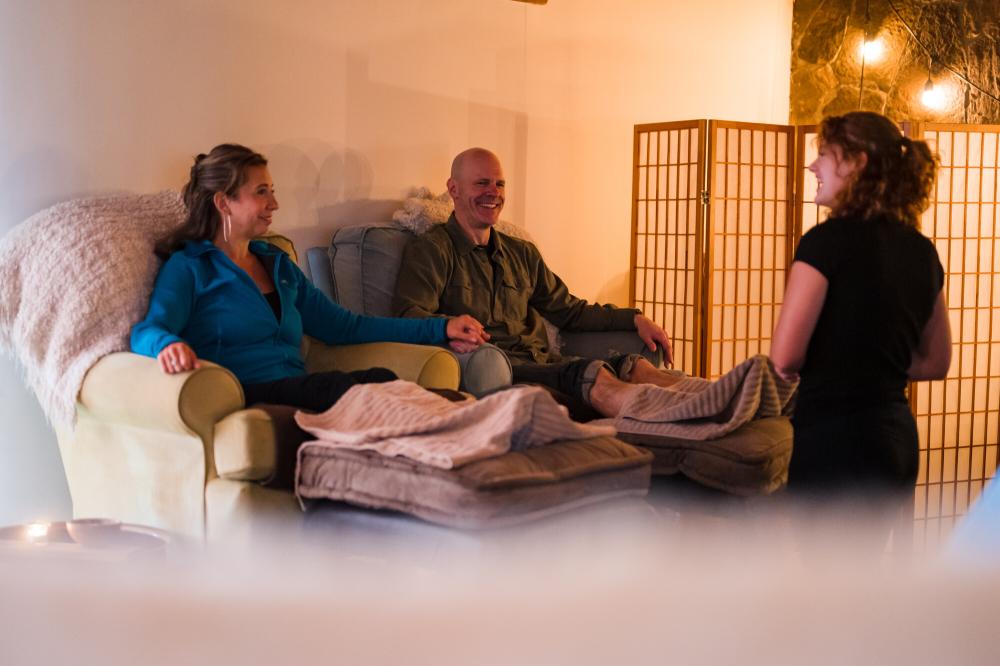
(609, 394)
(644, 372)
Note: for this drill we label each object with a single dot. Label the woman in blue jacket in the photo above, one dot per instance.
(245, 305)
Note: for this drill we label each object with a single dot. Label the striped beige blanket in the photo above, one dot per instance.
(401, 419)
(697, 408)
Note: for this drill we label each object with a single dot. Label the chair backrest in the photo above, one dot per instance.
(359, 272)
(283, 243)
(359, 269)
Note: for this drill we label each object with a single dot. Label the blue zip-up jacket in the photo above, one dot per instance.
(202, 298)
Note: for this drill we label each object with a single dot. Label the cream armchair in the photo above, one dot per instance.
(183, 453)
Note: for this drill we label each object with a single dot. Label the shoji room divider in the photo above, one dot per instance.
(711, 236)
(958, 417)
(717, 210)
(668, 233)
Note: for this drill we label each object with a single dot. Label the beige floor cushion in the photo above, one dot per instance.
(752, 460)
(500, 491)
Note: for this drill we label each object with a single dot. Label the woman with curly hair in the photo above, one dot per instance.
(864, 313)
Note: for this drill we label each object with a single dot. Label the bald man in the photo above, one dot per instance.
(468, 267)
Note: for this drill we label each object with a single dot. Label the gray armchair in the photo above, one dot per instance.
(359, 271)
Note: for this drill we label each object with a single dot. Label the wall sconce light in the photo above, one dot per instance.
(933, 96)
(872, 50)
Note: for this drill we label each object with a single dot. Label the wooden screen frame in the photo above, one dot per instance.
(697, 327)
(716, 193)
(932, 505)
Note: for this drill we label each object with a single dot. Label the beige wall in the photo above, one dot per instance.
(356, 101)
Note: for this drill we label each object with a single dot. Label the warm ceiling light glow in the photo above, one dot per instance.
(872, 50)
(933, 96)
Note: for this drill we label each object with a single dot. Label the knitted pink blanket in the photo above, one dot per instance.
(73, 280)
(402, 419)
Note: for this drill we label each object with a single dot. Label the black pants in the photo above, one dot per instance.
(565, 380)
(856, 472)
(872, 449)
(316, 392)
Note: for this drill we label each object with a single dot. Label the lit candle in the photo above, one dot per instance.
(36, 531)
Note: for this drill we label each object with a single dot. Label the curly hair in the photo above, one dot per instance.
(898, 175)
(223, 169)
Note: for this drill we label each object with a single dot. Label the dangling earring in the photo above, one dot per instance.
(227, 228)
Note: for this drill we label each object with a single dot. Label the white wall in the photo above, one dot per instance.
(354, 102)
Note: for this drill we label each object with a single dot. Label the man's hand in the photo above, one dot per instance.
(465, 334)
(177, 357)
(651, 333)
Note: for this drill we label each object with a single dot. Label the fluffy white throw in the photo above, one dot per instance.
(696, 408)
(422, 210)
(74, 278)
(401, 419)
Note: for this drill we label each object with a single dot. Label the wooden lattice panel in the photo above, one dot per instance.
(711, 270)
(751, 219)
(959, 418)
(666, 236)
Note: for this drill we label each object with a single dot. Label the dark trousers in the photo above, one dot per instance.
(857, 471)
(564, 380)
(872, 449)
(316, 392)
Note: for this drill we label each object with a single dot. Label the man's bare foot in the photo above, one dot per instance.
(609, 395)
(644, 372)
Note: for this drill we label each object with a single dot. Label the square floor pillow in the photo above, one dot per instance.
(751, 460)
(505, 490)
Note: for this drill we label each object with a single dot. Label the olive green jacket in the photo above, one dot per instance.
(505, 285)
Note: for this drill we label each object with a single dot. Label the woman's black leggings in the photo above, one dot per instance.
(853, 475)
(316, 392)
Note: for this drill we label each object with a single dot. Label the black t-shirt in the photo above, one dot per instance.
(883, 279)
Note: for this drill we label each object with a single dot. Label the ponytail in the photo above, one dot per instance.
(191, 187)
(898, 175)
(917, 169)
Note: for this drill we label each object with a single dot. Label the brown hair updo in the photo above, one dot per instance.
(223, 169)
(897, 178)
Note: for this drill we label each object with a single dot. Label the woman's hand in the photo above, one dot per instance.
(789, 376)
(465, 334)
(177, 357)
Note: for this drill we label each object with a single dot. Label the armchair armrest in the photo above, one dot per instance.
(431, 367)
(131, 389)
(601, 344)
(484, 370)
(142, 448)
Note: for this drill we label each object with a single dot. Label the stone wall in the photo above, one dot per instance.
(827, 64)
